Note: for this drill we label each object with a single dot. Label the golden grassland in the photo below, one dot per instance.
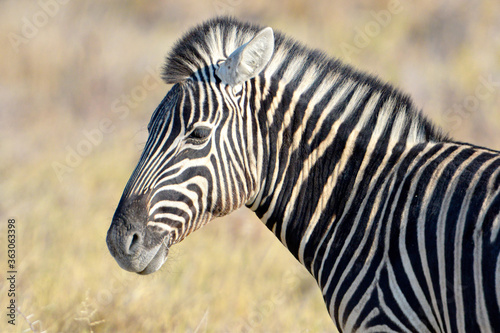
(92, 66)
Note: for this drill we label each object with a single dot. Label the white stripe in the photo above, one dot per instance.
(440, 238)
(458, 286)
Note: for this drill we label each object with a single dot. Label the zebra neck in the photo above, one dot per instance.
(320, 142)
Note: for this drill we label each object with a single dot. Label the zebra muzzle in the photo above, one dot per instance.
(135, 245)
(158, 260)
(136, 251)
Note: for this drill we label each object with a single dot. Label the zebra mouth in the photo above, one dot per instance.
(158, 260)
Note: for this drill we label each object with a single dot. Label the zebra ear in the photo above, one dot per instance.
(248, 60)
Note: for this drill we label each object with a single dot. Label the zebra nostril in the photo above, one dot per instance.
(135, 239)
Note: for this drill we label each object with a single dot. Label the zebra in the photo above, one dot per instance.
(397, 222)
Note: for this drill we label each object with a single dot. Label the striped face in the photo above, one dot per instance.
(194, 167)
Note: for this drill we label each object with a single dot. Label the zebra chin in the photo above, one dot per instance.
(144, 261)
(158, 260)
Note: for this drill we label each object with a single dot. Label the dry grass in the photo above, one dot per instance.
(233, 275)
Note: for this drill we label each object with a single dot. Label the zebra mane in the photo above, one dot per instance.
(204, 45)
(216, 39)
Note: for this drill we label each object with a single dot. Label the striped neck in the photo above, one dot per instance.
(323, 128)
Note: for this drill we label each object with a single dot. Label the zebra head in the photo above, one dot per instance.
(199, 161)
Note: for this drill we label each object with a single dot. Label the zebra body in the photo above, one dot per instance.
(396, 222)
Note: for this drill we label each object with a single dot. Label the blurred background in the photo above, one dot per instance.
(78, 83)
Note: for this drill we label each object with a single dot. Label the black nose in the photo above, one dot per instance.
(123, 237)
(126, 235)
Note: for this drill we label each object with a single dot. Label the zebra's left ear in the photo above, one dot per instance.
(248, 60)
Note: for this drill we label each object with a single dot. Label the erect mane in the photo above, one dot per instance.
(205, 44)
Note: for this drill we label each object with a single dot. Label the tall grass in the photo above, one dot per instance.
(232, 275)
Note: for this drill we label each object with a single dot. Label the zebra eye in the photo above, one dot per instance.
(199, 134)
